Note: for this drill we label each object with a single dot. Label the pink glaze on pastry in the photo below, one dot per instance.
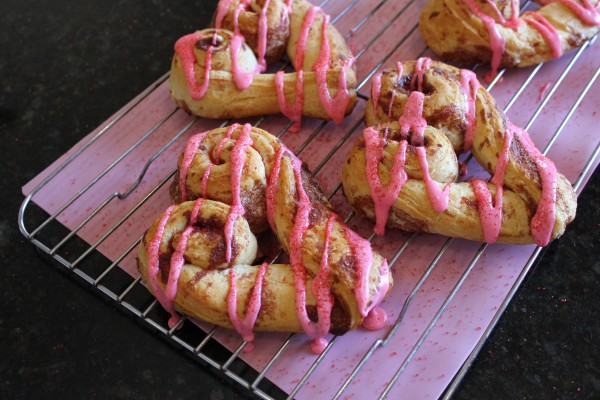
(237, 164)
(245, 326)
(294, 111)
(334, 106)
(548, 32)
(470, 85)
(383, 196)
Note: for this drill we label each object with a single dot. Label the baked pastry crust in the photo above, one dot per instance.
(527, 187)
(220, 72)
(330, 266)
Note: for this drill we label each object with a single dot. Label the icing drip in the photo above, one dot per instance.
(542, 222)
(245, 326)
(205, 176)
(241, 78)
(548, 32)
(497, 43)
(237, 164)
(421, 66)
(412, 119)
(153, 265)
(177, 261)
(301, 224)
(363, 258)
(491, 215)
(439, 198)
(336, 106)
(513, 22)
(383, 196)
(294, 111)
(321, 288)
(376, 320)
(184, 47)
(222, 8)
(470, 85)
(188, 155)
(272, 185)
(262, 37)
(587, 13)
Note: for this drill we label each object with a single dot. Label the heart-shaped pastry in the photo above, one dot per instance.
(403, 170)
(198, 257)
(222, 72)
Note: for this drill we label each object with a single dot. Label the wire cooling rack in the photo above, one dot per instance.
(380, 35)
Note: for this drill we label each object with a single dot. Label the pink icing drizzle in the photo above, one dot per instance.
(336, 106)
(497, 43)
(470, 85)
(383, 196)
(184, 47)
(548, 32)
(222, 8)
(273, 184)
(587, 13)
(363, 256)
(205, 176)
(188, 155)
(244, 79)
(177, 261)
(237, 165)
(542, 222)
(294, 111)
(439, 198)
(412, 119)
(245, 326)
(421, 66)
(491, 215)
(262, 36)
(513, 22)
(153, 263)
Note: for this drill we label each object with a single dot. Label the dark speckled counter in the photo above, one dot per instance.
(65, 66)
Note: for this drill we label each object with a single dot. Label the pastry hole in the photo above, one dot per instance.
(216, 41)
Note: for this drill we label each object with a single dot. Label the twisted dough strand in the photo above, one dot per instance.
(197, 257)
(422, 112)
(491, 31)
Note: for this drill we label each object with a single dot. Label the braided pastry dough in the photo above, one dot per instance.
(220, 72)
(403, 170)
(491, 31)
(197, 258)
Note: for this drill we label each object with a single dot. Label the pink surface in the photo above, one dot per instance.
(463, 322)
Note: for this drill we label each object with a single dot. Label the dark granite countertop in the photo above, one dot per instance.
(65, 66)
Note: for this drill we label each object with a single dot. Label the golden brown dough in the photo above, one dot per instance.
(212, 78)
(528, 187)
(226, 174)
(470, 31)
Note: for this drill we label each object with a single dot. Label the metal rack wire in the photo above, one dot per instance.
(84, 261)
